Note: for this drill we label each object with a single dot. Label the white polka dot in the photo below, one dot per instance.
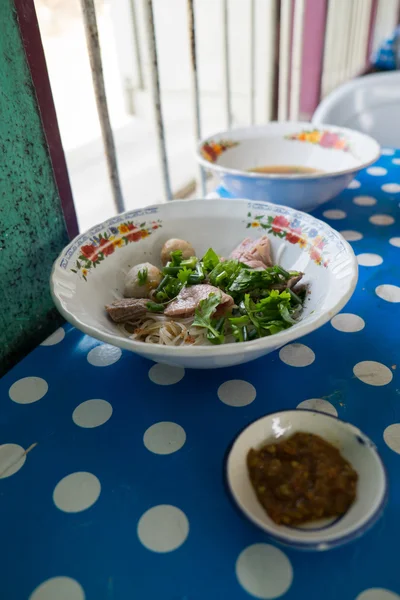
(391, 188)
(395, 241)
(376, 171)
(58, 588)
(164, 437)
(373, 373)
(351, 236)
(353, 185)
(166, 374)
(377, 594)
(388, 292)
(334, 214)
(387, 151)
(28, 390)
(347, 322)
(297, 355)
(92, 413)
(381, 220)
(391, 435)
(76, 492)
(369, 260)
(12, 458)
(163, 528)
(264, 571)
(320, 405)
(396, 161)
(237, 392)
(104, 355)
(364, 200)
(54, 338)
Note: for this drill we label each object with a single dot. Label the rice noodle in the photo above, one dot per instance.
(159, 329)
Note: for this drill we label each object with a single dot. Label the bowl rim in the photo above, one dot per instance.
(275, 341)
(320, 544)
(277, 176)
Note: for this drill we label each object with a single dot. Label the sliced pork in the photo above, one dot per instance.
(256, 254)
(128, 309)
(290, 283)
(189, 299)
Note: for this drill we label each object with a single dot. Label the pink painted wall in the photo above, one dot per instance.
(313, 53)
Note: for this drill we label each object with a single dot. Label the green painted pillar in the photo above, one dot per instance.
(32, 227)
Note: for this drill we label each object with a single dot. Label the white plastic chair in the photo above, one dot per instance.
(370, 104)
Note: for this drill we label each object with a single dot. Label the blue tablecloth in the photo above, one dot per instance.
(112, 468)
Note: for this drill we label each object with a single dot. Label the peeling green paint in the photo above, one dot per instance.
(32, 228)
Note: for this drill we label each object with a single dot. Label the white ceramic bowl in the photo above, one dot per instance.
(353, 445)
(80, 289)
(339, 152)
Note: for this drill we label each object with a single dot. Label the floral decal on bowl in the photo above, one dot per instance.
(102, 245)
(292, 231)
(211, 150)
(326, 139)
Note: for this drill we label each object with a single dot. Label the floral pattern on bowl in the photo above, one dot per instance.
(105, 243)
(324, 138)
(293, 232)
(212, 150)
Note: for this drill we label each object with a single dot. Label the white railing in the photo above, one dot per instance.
(350, 25)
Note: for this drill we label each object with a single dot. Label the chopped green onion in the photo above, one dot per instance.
(190, 263)
(142, 276)
(176, 258)
(219, 278)
(295, 297)
(155, 307)
(194, 279)
(163, 283)
(285, 274)
(168, 270)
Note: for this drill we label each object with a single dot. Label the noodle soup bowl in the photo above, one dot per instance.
(90, 271)
(335, 153)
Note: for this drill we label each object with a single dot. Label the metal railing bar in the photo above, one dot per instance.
(136, 42)
(296, 59)
(226, 64)
(252, 62)
(156, 94)
(284, 58)
(195, 83)
(93, 44)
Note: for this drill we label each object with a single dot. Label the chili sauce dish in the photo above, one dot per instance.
(309, 480)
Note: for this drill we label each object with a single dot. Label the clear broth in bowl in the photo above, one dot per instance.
(285, 170)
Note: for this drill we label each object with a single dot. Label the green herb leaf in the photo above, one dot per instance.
(283, 309)
(203, 315)
(176, 258)
(231, 268)
(219, 326)
(142, 276)
(210, 260)
(184, 275)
